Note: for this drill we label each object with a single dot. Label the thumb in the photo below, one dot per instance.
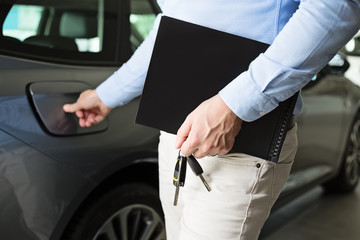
(71, 108)
(183, 133)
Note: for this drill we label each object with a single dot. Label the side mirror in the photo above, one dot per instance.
(338, 65)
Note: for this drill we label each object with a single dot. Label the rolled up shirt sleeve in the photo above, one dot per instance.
(128, 81)
(314, 34)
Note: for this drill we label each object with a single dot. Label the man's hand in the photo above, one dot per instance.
(88, 108)
(209, 130)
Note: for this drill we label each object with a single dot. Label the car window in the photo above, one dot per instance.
(72, 27)
(22, 21)
(66, 30)
(142, 17)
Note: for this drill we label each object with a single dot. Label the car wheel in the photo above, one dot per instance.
(131, 211)
(348, 177)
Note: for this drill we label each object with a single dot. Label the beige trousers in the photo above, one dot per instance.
(244, 188)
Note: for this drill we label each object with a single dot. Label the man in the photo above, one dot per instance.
(304, 35)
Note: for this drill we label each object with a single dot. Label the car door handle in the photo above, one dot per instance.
(48, 98)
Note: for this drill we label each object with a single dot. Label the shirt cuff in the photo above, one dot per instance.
(245, 99)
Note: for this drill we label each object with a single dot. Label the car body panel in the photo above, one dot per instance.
(320, 131)
(34, 192)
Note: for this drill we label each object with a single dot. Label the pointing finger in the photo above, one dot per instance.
(71, 108)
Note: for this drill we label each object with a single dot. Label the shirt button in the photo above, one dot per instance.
(261, 113)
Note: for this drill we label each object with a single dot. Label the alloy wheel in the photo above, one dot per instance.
(134, 222)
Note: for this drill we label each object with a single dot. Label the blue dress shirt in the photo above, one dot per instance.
(304, 35)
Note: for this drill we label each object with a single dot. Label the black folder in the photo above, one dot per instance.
(192, 63)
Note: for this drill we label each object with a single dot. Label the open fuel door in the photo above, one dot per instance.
(48, 99)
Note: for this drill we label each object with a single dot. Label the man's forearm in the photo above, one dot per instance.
(127, 82)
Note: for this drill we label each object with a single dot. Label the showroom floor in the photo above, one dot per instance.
(316, 216)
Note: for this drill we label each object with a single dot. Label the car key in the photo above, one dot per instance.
(197, 169)
(179, 175)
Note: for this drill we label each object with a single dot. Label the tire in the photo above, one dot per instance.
(127, 212)
(348, 177)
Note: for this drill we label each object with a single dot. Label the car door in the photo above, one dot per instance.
(53, 50)
(50, 51)
(320, 128)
